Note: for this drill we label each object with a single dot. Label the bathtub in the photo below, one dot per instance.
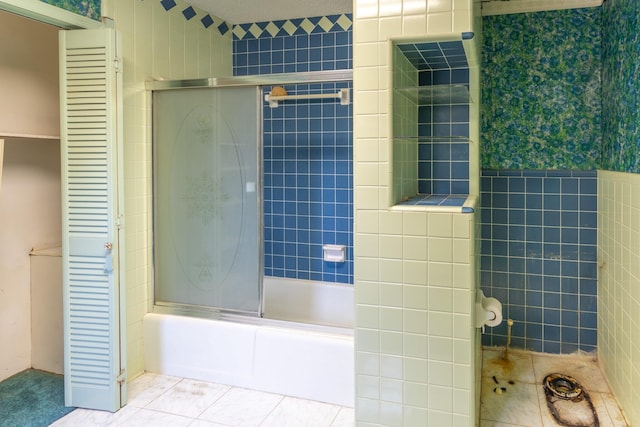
(276, 354)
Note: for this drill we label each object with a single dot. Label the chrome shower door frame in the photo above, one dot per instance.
(258, 82)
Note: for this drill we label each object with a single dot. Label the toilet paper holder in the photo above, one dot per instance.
(488, 311)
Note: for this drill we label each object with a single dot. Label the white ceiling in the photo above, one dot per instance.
(244, 11)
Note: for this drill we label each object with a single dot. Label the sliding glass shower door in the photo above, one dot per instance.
(207, 198)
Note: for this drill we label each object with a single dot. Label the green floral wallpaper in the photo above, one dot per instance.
(88, 8)
(541, 90)
(621, 85)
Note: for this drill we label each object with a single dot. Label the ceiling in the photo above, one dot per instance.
(244, 11)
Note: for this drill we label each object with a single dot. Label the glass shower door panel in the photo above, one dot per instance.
(206, 198)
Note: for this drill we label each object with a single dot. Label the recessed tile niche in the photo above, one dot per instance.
(430, 123)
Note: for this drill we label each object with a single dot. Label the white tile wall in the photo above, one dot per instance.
(414, 290)
(405, 123)
(619, 286)
(157, 44)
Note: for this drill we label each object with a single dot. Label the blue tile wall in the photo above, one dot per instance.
(541, 90)
(299, 48)
(621, 86)
(443, 168)
(308, 146)
(308, 185)
(443, 150)
(539, 257)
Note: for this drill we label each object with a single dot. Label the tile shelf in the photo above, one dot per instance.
(437, 94)
(452, 203)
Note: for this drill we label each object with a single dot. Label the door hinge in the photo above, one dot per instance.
(122, 377)
(120, 222)
(116, 64)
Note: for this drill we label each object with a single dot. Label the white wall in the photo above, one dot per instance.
(29, 217)
(29, 103)
(619, 286)
(30, 192)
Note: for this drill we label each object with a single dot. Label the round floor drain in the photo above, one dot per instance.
(563, 386)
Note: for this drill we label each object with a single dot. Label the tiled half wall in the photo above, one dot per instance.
(539, 257)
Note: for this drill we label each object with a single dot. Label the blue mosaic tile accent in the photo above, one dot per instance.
(87, 8)
(298, 52)
(308, 185)
(189, 13)
(539, 257)
(436, 55)
(620, 86)
(541, 102)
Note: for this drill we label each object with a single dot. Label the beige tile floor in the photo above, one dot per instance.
(160, 400)
(524, 404)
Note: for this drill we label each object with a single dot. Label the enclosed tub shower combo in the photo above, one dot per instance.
(216, 316)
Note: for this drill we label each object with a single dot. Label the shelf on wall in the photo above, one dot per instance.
(454, 203)
(437, 94)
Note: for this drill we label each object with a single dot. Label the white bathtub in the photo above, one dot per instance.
(295, 359)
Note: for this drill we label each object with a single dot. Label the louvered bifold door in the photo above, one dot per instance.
(90, 135)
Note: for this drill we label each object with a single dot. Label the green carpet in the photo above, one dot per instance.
(32, 398)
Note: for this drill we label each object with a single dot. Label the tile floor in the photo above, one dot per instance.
(524, 404)
(160, 400)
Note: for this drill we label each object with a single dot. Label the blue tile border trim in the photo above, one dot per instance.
(189, 13)
(207, 20)
(290, 53)
(540, 173)
(168, 4)
(292, 27)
